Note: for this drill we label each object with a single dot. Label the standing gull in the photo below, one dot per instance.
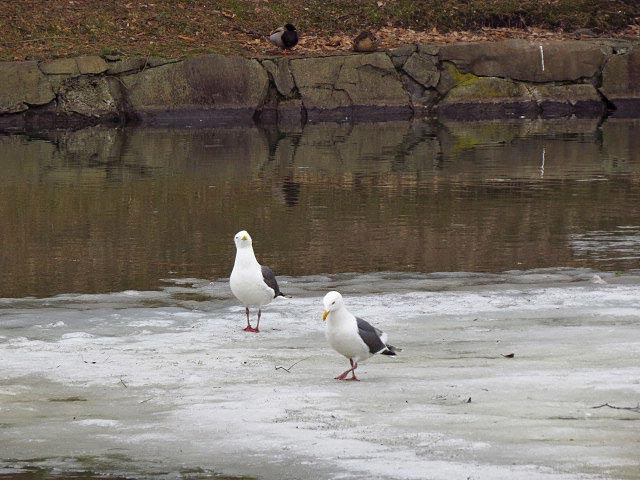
(351, 336)
(253, 284)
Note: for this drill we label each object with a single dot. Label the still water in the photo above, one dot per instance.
(105, 209)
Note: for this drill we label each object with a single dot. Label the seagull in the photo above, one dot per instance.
(253, 284)
(285, 37)
(352, 337)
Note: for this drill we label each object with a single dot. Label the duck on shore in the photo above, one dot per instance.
(285, 38)
(365, 42)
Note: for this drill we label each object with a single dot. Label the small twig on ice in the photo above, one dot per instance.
(288, 370)
(123, 384)
(631, 409)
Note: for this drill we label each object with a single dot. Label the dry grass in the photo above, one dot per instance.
(37, 29)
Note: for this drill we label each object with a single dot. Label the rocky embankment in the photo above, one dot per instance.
(470, 81)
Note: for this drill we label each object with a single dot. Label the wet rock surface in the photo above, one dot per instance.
(581, 100)
(621, 80)
(487, 97)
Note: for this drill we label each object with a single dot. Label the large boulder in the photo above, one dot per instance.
(211, 89)
(22, 84)
(539, 61)
(60, 66)
(87, 64)
(480, 98)
(621, 82)
(280, 72)
(423, 68)
(351, 87)
(97, 97)
(400, 55)
(91, 64)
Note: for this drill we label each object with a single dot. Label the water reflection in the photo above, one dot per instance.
(112, 209)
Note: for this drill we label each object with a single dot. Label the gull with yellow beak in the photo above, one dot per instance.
(352, 337)
(253, 284)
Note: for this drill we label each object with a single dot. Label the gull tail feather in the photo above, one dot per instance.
(391, 350)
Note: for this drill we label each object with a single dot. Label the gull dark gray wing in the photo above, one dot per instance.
(270, 279)
(371, 336)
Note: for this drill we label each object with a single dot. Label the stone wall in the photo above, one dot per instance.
(469, 81)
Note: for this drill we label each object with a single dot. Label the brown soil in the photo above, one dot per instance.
(39, 29)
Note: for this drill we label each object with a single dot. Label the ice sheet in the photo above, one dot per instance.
(150, 384)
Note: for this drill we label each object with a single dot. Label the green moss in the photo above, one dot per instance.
(484, 88)
(459, 77)
(498, 89)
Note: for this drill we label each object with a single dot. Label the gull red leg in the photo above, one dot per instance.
(343, 376)
(353, 371)
(249, 328)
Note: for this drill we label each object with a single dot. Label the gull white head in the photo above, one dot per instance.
(242, 239)
(332, 301)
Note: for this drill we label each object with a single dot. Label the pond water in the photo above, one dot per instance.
(103, 209)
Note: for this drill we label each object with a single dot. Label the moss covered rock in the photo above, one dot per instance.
(487, 97)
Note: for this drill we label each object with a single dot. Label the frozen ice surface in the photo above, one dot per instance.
(161, 384)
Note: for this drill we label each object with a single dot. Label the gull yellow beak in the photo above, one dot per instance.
(324, 315)
(244, 237)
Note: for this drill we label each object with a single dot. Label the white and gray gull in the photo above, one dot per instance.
(253, 284)
(352, 337)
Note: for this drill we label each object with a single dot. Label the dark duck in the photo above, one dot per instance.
(285, 38)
